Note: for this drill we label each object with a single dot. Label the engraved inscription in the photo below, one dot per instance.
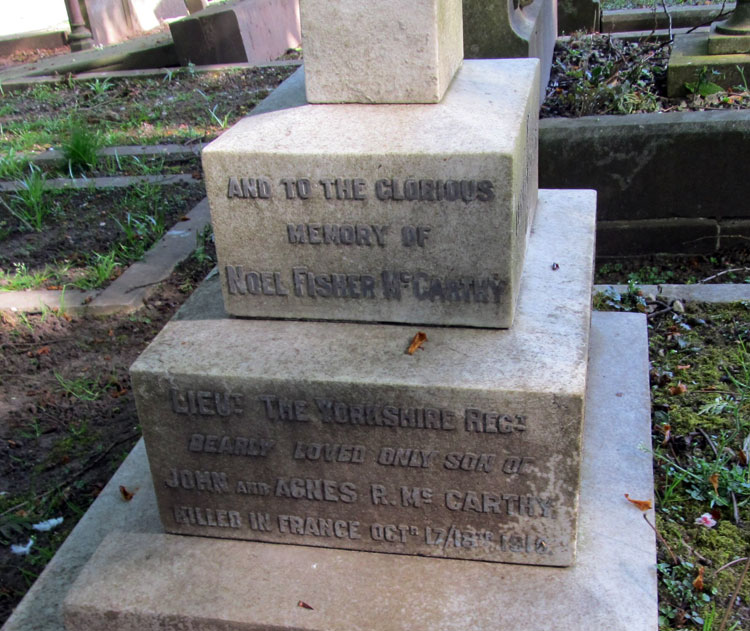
(499, 503)
(386, 416)
(406, 457)
(230, 445)
(215, 517)
(211, 481)
(329, 452)
(334, 234)
(469, 462)
(319, 527)
(205, 402)
(358, 189)
(316, 489)
(493, 422)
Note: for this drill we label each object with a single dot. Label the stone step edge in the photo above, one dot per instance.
(128, 292)
(717, 293)
(119, 181)
(54, 156)
(23, 82)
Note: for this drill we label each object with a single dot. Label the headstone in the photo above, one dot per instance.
(578, 15)
(388, 213)
(339, 430)
(398, 52)
(511, 28)
(251, 31)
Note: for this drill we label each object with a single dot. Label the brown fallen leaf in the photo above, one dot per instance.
(304, 605)
(684, 367)
(126, 495)
(666, 429)
(416, 343)
(742, 457)
(698, 582)
(677, 390)
(118, 393)
(642, 505)
(714, 480)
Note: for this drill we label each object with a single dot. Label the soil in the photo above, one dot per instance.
(725, 266)
(84, 222)
(67, 418)
(596, 75)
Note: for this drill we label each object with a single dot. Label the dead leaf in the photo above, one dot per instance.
(126, 495)
(714, 480)
(643, 505)
(419, 339)
(684, 367)
(677, 390)
(304, 605)
(667, 431)
(698, 582)
(117, 394)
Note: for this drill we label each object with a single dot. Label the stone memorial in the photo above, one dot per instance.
(382, 213)
(331, 433)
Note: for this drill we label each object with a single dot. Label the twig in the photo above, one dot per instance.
(712, 20)
(156, 282)
(669, 17)
(656, 313)
(730, 564)
(726, 271)
(710, 442)
(734, 596)
(658, 534)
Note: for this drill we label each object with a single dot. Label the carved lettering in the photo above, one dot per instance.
(205, 402)
(318, 527)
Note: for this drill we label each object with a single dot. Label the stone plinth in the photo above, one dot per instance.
(329, 434)
(690, 60)
(139, 582)
(387, 213)
(251, 31)
(722, 44)
(386, 52)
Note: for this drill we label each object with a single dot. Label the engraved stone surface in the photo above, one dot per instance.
(329, 434)
(383, 213)
(154, 581)
(386, 52)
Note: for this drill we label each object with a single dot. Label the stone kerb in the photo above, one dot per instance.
(391, 51)
(384, 213)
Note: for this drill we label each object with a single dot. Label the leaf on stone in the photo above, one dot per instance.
(127, 495)
(642, 505)
(304, 605)
(677, 390)
(416, 343)
(698, 582)
(714, 480)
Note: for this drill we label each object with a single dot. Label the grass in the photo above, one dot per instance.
(700, 391)
(81, 148)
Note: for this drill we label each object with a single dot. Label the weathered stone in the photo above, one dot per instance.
(330, 434)
(656, 236)
(638, 163)
(500, 29)
(578, 15)
(386, 52)
(654, 17)
(723, 44)
(690, 60)
(388, 213)
(251, 31)
(153, 581)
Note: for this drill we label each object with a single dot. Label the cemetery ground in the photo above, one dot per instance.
(67, 416)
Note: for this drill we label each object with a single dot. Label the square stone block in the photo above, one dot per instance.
(240, 31)
(390, 51)
(330, 434)
(387, 213)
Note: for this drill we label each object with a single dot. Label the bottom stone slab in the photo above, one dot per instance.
(156, 581)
